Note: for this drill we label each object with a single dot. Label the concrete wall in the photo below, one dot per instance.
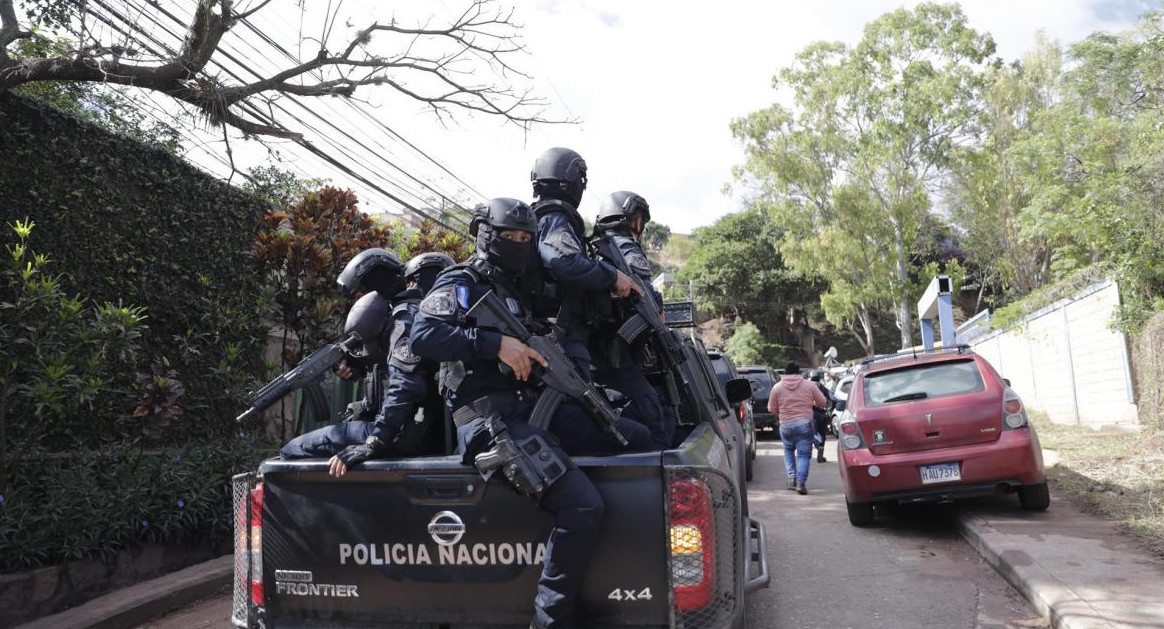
(1066, 361)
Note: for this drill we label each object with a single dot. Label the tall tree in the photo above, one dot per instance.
(853, 163)
(457, 65)
(737, 271)
(988, 193)
(1093, 169)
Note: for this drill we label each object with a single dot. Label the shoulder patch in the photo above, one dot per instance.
(638, 263)
(403, 353)
(564, 242)
(440, 303)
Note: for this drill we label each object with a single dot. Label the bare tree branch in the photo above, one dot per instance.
(448, 76)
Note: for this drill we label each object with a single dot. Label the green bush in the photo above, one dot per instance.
(94, 503)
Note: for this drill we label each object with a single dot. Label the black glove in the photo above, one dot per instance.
(354, 455)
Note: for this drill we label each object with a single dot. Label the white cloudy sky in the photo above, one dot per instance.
(656, 84)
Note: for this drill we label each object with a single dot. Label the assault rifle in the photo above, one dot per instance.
(560, 378)
(304, 374)
(647, 314)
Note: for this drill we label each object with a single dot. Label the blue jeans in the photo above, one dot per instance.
(797, 437)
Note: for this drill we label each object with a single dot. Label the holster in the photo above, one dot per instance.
(531, 465)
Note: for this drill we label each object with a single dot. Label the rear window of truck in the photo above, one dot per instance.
(761, 383)
(923, 382)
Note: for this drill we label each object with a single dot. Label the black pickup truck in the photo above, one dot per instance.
(426, 543)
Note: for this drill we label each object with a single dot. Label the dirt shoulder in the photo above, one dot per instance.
(1117, 475)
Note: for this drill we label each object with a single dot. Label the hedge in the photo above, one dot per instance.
(129, 223)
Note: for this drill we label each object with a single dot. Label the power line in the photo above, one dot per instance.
(257, 114)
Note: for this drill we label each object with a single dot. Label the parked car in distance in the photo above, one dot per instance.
(762, 378)
(935, 427)
(725, 370)
(840, 390)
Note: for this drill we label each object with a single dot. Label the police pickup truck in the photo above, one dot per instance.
(425, 542)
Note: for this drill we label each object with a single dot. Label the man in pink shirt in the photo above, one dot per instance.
(791, 401)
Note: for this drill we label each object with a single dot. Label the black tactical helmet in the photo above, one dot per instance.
(424, 268)
(503, 214)
(367, 319)
(559, 173)
(618, 209)
(372, 270)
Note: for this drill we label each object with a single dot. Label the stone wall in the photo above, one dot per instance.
(1067, 361)
(25, 596)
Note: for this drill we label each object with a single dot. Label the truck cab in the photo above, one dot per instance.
(426, 542)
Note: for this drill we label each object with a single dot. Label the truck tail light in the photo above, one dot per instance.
(851, 435)
(256, 550)
(743, 414)
(692, 544)
(1013, 414)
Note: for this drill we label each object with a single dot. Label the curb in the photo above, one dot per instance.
(1046, 593)
(136, 604)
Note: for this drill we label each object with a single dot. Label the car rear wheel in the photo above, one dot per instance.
(1035, 497)
(860, 513)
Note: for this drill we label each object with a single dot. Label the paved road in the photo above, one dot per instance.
(911, 570)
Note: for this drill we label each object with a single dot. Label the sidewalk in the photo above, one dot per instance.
(131, 606)
(1074, 568)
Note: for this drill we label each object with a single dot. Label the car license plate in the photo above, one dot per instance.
(940, 473)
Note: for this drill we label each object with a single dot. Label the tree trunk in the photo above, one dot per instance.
(904, 316)
(867, 324)
(4, 439)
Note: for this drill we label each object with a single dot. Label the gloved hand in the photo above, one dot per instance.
(351, 456)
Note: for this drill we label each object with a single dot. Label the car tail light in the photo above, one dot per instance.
(1014, 415)
(743, 413)
(256, 508)
(692, 544)
(851, 436)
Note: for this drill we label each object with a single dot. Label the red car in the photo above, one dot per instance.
(935, 427)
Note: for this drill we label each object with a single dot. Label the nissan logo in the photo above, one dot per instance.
(446, 528)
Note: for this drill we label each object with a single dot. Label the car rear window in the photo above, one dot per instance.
(844, 387)
(923, 381)
(761, 383)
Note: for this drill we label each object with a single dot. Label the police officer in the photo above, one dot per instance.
(410, 420)
(621, 220)
(820, 415)
(505, 234)
(559, 179)
(371, 272)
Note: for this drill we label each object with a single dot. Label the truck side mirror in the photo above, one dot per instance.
(840, 405)
(738, 390)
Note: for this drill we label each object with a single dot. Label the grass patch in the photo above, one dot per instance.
(1117, 475)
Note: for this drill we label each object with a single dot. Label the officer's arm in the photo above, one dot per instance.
(405, 393)
(438, 333)
(565, 258)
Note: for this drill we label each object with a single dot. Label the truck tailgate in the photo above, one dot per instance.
(428, 541)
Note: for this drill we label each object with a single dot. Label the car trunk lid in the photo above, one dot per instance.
(928, 406)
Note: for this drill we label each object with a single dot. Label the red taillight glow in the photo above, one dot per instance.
(692, 544)
(849, 428)
(1012, 406)
(256, 508)
(743, 414)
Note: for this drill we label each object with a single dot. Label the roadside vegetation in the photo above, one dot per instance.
(1113, 474)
